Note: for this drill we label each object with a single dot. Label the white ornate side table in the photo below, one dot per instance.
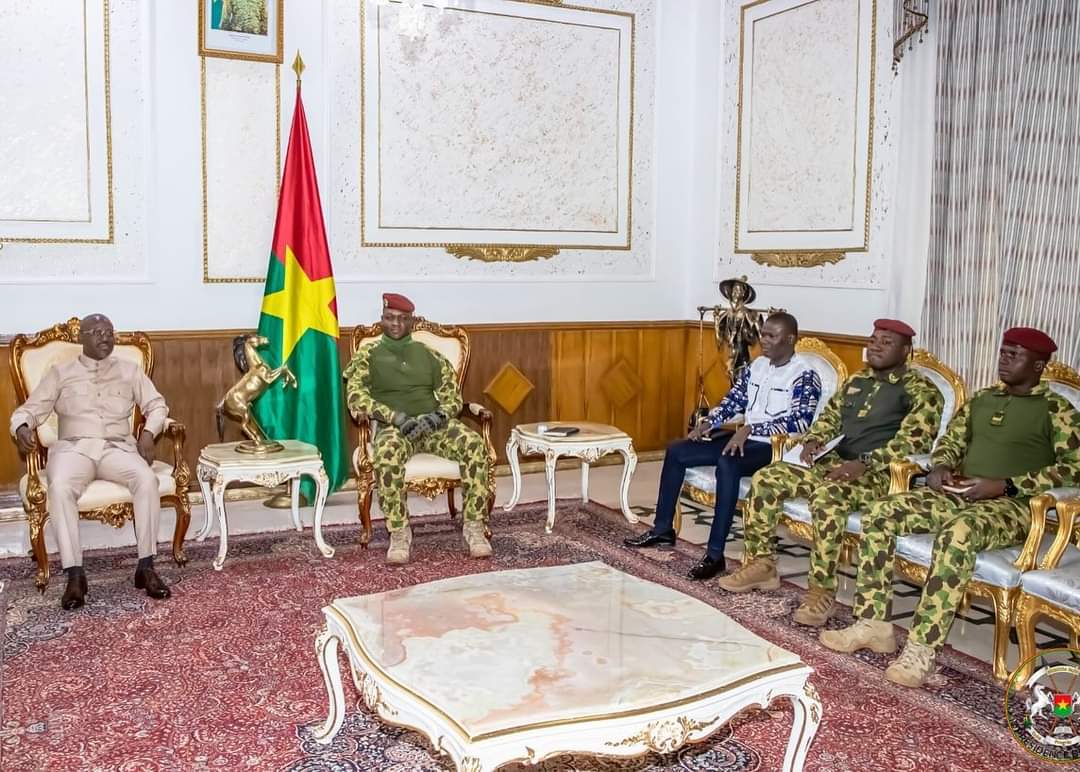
(220, 464)
(589, 444)
(527, 664)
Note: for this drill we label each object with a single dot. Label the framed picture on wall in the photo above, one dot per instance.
(241, 29)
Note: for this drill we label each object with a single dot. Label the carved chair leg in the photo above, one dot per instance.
(363, 503)
(183, 520)
(41, 557)
(451, 503)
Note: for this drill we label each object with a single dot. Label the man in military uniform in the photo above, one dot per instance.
(93, 396)
(1004, 446)
(887, 411)
(411, 392)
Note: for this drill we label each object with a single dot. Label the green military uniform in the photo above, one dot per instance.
(1034, 440)
(881, 420)
(405, 376)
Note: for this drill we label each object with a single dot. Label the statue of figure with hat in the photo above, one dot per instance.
(410, 392)
(737, 327)
(887, 411)
(1007, 444)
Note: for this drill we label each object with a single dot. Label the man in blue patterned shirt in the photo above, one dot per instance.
(777, 394)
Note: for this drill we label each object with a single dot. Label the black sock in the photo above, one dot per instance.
(145, 563)
(74, 571)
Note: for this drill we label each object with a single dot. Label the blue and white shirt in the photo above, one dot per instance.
(773, 400)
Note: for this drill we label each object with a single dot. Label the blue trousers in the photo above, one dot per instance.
(683, 454)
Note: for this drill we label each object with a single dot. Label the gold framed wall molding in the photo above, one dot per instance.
(793, 245)
(206, 277)
(107, 171)
(505, 247)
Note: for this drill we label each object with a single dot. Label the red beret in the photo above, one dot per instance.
(397, 302)
(1035, 341)
(894, 325)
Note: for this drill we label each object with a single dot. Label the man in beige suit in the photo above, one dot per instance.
(93, 396)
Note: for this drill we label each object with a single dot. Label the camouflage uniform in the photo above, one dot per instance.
(831, 501)
(391, 449)
(961, 529)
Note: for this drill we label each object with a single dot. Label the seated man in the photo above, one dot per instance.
(778, 394)
(885, 412)
(93, 396)
(412, 394)
(1004, 446)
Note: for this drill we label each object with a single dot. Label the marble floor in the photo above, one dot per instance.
(972, 634)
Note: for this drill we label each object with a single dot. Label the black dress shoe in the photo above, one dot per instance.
(707, 568)
(148, 579)
(650, 539)
(75, 593)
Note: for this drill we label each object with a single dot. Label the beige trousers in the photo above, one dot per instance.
(70, 472)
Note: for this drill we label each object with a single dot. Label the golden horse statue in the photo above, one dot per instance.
(257, 378)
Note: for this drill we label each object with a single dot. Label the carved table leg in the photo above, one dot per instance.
(584, 481)
(322, 482)
(515, 470)
(294, 491)
(629, 464)
(550, 458)
(326, 650)
(206, 476)
(807, 718)
(223, 524)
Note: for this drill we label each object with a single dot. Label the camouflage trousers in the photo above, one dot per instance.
(456, 442)
(960, 531)
(831, 501)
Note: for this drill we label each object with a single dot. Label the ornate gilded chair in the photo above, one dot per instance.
(998, 573)
(700, 482)
(104, 501)
(425, 473)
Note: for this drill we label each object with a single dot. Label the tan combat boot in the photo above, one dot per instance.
(816, 608)
(756, 574)
(914, 665)
(864, 634)
(476, 539)
(400, 546)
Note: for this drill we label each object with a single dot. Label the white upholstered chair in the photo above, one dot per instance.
(700, 482)
(425, 473)
(998, 573)
(107, 502)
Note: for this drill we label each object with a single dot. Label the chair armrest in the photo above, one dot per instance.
(782, 443)
(1029, 555)
(902, 473)
(477, 411)
(1067, 510)
(35, 463)
(177, 434)
(481, 415)
(363, 437)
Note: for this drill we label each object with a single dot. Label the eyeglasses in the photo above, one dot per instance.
(99, 333)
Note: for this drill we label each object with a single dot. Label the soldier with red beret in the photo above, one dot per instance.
(1004, 446)
(887, 411)
(410, 391)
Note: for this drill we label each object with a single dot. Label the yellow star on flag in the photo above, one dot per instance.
(301, 305)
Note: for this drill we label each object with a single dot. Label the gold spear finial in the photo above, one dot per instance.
(298, 66)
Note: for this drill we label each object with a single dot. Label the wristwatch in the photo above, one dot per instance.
(1010, 488)
(866, 457)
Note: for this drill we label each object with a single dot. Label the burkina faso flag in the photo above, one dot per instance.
(1063, 705)
(299, 316)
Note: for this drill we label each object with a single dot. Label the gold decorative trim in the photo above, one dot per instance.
(207, 279)
(216, 53)
(795, 258)
(666, 735)
(1059, 372)
(503, 254)
(798, 259)
(924, 358)
(508, 252)
(811, 345)
(108, 148)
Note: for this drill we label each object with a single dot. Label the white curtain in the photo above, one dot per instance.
(1005, 216)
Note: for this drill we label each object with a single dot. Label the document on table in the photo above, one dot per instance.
(793, 456)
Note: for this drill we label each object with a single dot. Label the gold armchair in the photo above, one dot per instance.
(425, 473)
(104, 501)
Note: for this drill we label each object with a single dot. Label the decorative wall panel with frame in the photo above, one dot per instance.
(804, 145)
(510, 125)
(55, 125)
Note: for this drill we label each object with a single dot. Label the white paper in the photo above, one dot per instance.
(793, 455)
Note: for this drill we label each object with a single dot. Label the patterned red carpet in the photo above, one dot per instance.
(223, 676)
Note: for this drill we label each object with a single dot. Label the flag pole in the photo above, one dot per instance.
(284, 500)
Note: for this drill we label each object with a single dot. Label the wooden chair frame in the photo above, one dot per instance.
(116, 515)
(428, 487)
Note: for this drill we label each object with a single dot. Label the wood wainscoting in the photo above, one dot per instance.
(639, 376)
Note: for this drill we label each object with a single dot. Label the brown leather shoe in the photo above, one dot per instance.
(75, 593)
(147, 579)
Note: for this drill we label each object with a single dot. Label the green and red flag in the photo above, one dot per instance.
(299, 316)
(1063, 706)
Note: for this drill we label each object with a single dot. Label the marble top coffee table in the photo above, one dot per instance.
(526, 664)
